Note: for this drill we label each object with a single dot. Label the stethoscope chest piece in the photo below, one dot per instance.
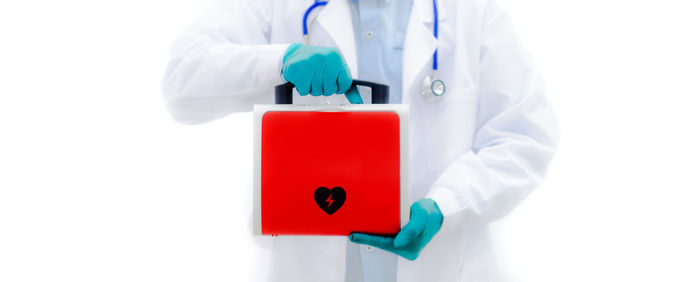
(433, 88)
(437, 87)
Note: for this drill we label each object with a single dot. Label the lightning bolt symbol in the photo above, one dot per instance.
(329, 200)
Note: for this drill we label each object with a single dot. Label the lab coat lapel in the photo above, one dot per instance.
(420, 43)
(335, 19)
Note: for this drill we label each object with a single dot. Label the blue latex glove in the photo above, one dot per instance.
(319, 71)
(425, 221)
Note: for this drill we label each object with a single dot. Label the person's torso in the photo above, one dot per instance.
(441, 130)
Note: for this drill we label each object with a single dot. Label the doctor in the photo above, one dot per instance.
(477, 148)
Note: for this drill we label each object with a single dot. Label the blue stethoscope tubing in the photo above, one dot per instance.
(319, 3)
(435, 33)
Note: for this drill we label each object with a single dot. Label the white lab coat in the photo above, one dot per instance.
(477, 152)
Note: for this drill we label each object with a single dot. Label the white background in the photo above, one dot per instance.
(97, 183)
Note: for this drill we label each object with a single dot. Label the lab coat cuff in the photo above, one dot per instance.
(267, 58)
(449, 206)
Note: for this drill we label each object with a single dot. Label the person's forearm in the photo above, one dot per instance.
(207, 79)
(484, 186)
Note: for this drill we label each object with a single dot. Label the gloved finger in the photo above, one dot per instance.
(301, 75)
(344, 80)
(330, 84)
(384, 243)
(302, 89)
(353, 95)
(302, 85)
(412, 229)
(381, 242)
(317, 82)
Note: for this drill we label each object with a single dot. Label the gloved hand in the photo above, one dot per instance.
(319, 71)
(425, 221)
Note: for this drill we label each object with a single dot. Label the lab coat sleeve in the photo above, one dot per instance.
(223, 63)
(515, 138)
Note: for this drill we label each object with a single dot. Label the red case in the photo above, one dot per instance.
(305, 155)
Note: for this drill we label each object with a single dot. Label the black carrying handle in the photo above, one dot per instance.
(380, 92)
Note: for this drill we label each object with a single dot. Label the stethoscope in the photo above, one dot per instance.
(433, 88)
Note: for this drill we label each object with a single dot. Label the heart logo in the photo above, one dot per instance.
(329, 200)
